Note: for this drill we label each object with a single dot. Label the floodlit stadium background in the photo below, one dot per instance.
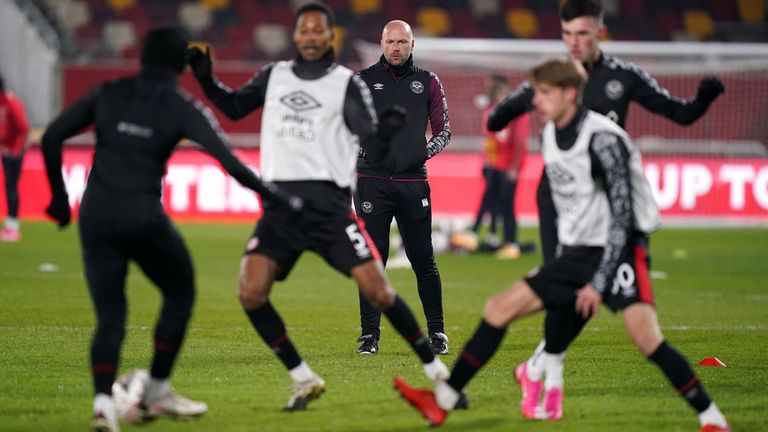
(711, 173)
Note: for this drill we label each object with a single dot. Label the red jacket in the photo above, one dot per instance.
(13, 124)
(507, 148)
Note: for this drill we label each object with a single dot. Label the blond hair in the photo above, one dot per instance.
(559, 72)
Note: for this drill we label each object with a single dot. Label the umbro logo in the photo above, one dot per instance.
(300, 101)
(425, 202)
(558, 173)
(378, 86)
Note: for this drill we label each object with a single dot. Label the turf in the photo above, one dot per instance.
(713, 301)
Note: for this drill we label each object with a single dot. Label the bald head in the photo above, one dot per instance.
(397, 42)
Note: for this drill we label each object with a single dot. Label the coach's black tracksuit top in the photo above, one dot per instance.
(420, 92)
(138, 122)
(611, 85)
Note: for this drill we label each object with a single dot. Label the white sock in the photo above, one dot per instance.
(436, 370)
(536, 363)
(156, 388)
(104, 404)
(446, 395)
(302, 373)
(12, 223)
(553, 370)
(713, 416)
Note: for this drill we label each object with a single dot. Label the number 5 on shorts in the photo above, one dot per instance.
(358, 241)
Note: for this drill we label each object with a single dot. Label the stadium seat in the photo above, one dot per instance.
(667, 23)
(364, 7)
(752, 11)
(272, 39)
(632, 9)
(340, 35)
(468, 27)
(522, 23)
(119, 5)
(611, 8)
(482, 8)
(401, 9)
(514, 4)
(434, 21)
(723, 10)
(75, 15)
(699, 23)
(250, 12)
(281, 15)
(549, 25)
(213, 5)
(194, 17)
(119, 35)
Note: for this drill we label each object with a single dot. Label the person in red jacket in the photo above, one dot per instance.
(13, 137)
(505, 153)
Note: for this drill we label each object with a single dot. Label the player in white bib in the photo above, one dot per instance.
(606, 212)
(315, 113)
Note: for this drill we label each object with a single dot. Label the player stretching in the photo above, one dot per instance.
(314, 111)
(606, 211)
(611, 85)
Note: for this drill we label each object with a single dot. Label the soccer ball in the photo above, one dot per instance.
(128, 392)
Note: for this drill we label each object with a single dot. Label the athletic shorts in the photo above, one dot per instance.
(556, 282)
(327, 225)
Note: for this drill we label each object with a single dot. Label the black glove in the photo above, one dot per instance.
(288, 199)
(391, 120)
(709, 89)
(59, 209)
(200, 62)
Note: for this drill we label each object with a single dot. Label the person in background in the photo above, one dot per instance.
(14, 129)
(505, 153)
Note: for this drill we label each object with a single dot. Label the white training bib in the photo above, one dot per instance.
(583, 213)
(303, 134)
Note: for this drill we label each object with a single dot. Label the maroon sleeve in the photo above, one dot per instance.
(438, 117)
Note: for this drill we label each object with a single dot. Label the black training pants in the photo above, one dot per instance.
(12, 172)
(379, 200)
(113, 231)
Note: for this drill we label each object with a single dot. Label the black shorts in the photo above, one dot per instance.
(327, 226)
(556, 282)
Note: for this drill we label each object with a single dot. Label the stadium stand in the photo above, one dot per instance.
(256, 30)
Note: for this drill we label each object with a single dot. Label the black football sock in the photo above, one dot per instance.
(679, 372)
(270, 327)
(561, 327)
(404, 322)
(478, 350)
(105, 353)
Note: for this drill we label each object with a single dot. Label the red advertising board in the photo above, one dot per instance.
(686, 188)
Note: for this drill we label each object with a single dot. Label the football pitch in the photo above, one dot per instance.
(711, 287)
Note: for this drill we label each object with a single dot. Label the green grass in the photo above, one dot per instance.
(714, 302)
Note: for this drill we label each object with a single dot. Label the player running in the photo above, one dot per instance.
(606, 212)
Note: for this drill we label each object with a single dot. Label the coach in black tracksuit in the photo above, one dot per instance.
(611, 85)
(138, 122)
(397, 187)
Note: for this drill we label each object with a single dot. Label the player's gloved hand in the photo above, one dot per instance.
(709, 89)
(288, 199)
(59, 209)
(391, 120)
(200, 62)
